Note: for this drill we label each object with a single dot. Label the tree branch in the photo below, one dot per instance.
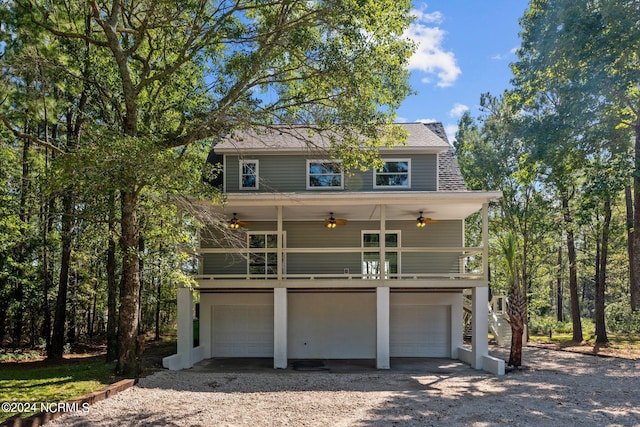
(31, 138)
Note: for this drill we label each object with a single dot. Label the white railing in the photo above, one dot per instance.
(462, 268)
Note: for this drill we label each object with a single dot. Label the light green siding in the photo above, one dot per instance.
(315, 235)
(285, 173)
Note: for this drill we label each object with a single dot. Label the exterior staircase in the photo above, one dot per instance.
(498, 320)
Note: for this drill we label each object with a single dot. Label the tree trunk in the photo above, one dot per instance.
(635, 264)
(47, 268)
(56, 350)
(128, 317)
(112, 288)
(573, 276)
(142, 276)
(517, 316)
(601, 330)
(559, 305)
(72, 323)
(21, 250)
(158, 301)
(634, 286)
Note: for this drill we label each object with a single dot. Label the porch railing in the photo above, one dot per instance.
(461, 263)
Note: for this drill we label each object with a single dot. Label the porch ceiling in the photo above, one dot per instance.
(354, 207)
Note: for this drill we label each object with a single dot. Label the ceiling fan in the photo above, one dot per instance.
(235, 223)
(423, 221)
(333, 222)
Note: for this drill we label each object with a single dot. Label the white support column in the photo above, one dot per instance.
(382, 329)
(280, 244)
(485, 242)
(280, 328)
(185, 326)
(383, 242)
(479, 338)
(206, 302)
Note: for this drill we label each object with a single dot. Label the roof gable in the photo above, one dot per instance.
(302, 139)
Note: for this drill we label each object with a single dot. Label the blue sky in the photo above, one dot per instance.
(465, 47)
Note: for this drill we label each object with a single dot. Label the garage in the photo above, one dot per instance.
(417, 328)
(242, 327)
(332, 325)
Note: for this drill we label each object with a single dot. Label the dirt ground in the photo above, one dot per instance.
(625, 351)
(554, 388)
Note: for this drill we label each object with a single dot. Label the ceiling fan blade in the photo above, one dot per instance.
(244, 223)
(340, 221)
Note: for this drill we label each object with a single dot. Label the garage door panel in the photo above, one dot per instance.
(419, 331)
(242, 331)
(329, 325)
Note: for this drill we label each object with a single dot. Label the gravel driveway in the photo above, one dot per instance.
(555, 389)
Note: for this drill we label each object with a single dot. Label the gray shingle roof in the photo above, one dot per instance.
(299, 138)
(429, 136)
(449, 175)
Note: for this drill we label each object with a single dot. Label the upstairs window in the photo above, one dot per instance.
(394, 174)
(249, 174)
(324, 174)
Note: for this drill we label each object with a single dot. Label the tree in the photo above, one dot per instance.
(589, 49)
(166, 77)
(517, 300)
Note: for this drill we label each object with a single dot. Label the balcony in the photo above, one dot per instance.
(348, 267)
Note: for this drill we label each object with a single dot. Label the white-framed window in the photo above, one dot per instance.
(325, 174)
(371, 265)
(263, 256)
(396, 173)
(249, 174)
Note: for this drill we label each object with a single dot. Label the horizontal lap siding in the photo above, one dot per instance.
(224, 264)
(283, 173)
(315, 235)
(277, 173)
(442, 233)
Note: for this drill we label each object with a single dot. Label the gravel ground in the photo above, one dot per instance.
(554, 389)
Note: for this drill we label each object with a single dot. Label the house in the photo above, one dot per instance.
(314, 262)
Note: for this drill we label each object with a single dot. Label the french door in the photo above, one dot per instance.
(371, 265)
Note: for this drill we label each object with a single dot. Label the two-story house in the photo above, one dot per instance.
(315, 262)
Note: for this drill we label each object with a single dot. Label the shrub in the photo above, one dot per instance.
(620, 319)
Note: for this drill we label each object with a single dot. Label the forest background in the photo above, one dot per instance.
(108, 115)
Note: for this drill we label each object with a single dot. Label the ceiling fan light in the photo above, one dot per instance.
(331, 222)
(421, 222)
(234, 224)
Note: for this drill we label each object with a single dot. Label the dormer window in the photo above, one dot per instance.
(394, 174)
(324, 174)
(249, 176)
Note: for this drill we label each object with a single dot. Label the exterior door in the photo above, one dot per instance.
(371, 265)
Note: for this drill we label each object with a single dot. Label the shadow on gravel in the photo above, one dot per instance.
(553, 390)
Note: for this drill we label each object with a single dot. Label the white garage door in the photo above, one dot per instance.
(420, 331)
(328, 325)
(242, 331)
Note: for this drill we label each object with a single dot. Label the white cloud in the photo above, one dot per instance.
(430, 57)
(458, 110)
(422, 16)
(426, 121)
(451, 132)
(502, 56)
(401, 120)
